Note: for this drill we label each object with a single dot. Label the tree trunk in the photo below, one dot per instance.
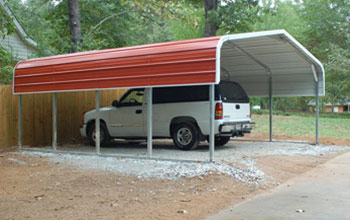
(74, 24)
(211, 27)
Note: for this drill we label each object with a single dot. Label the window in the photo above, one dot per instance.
(181, 94)
(132, 98)
(232, 92)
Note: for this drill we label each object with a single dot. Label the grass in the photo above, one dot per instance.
(301, 126)
(345, 115)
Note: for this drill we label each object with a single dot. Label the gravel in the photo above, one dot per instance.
(236, 159)
(170, 170)
(239, 149)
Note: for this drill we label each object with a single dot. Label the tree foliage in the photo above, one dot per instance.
(227, 16)
(6, 25)
(237, 16)
(328, 37)
(281, 15)
(6, 59)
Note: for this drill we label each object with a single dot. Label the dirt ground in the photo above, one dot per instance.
(33, 188)
(325, 141)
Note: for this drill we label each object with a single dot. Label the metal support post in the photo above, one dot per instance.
(317, 112)
(20, 122)
(149, 122)
(54, 122)
(211, 123)
(271, 106)
(97, 123)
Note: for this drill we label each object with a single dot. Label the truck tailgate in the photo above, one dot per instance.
(236, 112)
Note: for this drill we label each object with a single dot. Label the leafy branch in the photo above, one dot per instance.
(104, 20)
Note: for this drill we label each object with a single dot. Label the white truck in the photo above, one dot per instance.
(180, 113)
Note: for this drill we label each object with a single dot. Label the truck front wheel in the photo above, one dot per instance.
(186, 136)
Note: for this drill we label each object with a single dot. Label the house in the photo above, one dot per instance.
(18, 43)
(339, 107)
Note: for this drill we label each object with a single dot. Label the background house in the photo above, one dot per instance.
(18, 43)
(339, 107)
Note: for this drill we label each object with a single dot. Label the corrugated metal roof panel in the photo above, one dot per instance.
(183, 62)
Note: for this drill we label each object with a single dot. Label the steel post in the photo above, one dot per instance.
(20, 122)
(54, 122)
(211, 121)
(149, 122)
(271, 107)
(317, 112)
(97, 123)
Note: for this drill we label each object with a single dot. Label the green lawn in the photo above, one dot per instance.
(301, 126)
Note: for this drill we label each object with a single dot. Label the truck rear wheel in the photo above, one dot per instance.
(220, 140)
(104, 135)
(186, 136)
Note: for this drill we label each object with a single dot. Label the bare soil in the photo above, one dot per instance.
(32, 188)
(325, 141)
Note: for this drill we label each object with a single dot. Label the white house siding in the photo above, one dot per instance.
(16, 46)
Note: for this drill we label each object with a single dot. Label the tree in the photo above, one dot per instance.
(281, 15)
(6, 59)
(115, 23)
(328, 37)
(211, 23)
(338, 74)
(228, 16)
(74, 24)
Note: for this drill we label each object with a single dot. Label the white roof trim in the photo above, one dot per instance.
(19, 28)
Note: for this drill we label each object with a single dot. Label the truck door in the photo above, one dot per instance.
(127, 118)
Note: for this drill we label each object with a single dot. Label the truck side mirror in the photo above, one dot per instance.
(115, 103)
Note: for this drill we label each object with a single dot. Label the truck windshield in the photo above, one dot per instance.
(232, 92)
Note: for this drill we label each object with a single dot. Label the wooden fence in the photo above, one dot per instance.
(37, 115)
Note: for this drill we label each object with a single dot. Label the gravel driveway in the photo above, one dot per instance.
(236, 159)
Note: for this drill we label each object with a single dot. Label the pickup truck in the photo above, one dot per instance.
(180, 113)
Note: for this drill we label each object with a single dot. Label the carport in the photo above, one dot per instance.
(267, 64)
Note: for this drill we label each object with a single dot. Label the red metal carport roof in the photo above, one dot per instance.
(170, 63)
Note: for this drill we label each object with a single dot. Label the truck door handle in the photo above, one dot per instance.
(138, 111)
(238, 106)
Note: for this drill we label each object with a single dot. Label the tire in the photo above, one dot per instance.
(221, 140)
(186, 136)
(104, 135)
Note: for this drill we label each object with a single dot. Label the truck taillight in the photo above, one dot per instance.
(219, 111)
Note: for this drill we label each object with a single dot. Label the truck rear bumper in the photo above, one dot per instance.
(236, 128)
